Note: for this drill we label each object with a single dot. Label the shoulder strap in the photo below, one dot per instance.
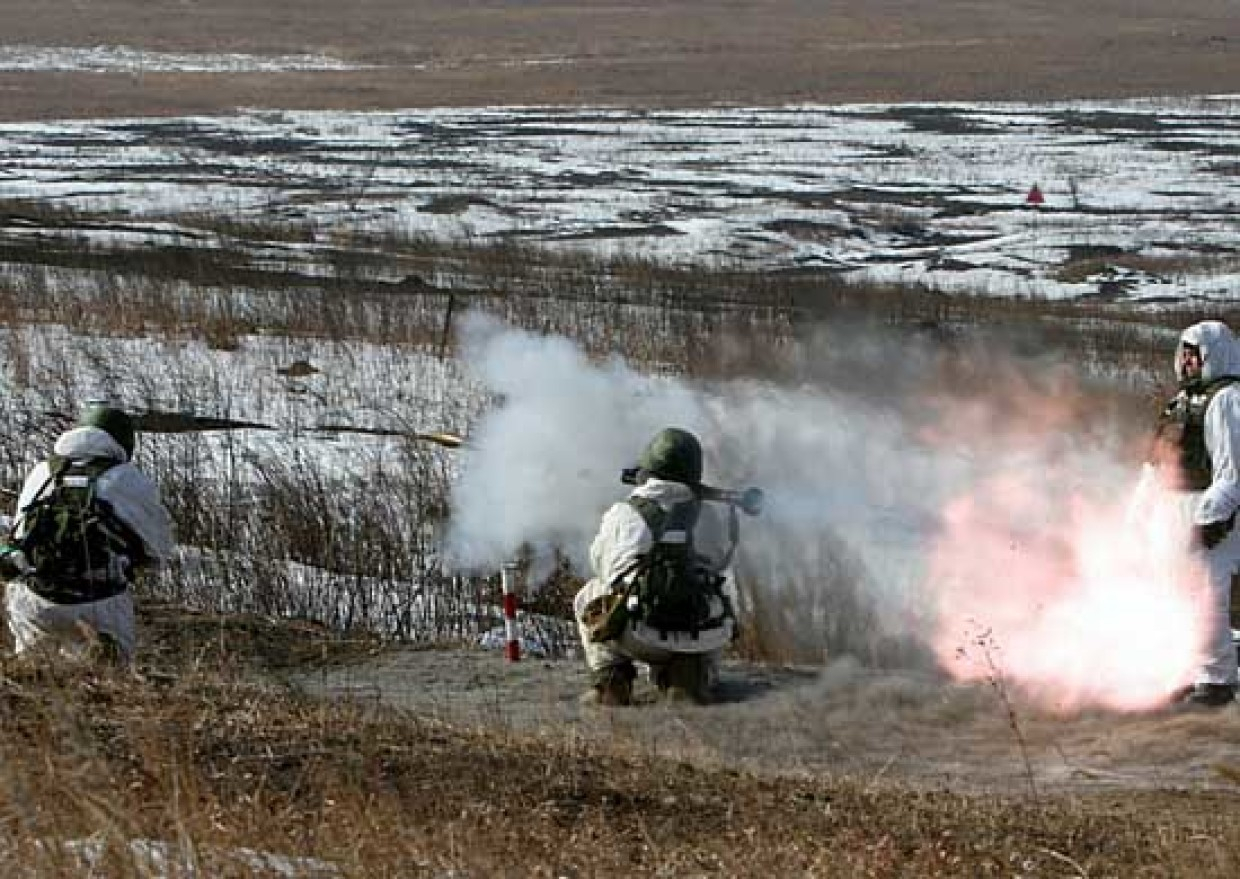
(1175, 403)
(652, 514)
(84, 473)
(682, 516)
(93, 467)
(1187, 405)
(1195, 404)
(59, 467)
(56, 466)
(1217, 385)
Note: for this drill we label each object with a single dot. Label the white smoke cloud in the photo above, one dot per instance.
(545, 462)
(859, 464)
(844, 478)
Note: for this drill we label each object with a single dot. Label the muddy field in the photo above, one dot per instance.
(686, 53)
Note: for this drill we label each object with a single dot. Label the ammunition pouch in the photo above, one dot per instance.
(79, 591)
(606, 617)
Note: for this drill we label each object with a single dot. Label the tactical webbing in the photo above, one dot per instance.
(71, 536)
(672, 556)
(1182, 427)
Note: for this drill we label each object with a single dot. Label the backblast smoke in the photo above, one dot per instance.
(910, 519)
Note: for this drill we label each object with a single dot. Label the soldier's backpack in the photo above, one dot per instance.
(670, 591)
(70, 536)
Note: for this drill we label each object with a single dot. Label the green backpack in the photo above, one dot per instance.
(668, 590)
(70, 536)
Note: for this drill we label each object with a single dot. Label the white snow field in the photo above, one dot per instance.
(1140, 196)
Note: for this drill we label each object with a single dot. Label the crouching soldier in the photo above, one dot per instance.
(86, 520)
(657, 595)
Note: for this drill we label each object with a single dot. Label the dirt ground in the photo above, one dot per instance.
(842, 720)
(639, 52)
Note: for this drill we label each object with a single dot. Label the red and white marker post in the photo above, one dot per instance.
(509, 576)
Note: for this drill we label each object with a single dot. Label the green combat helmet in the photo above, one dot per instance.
(112, 421)
(675, 455)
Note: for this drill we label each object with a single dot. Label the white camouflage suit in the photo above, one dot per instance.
(622, 537)
(135, 499)
(1220, 352)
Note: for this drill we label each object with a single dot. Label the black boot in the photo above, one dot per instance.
(612, 686)
(1206, 695)
(686, 679)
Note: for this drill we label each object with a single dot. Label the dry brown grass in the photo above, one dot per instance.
(1079, 269)
(686, 53)
(655, 314)
(211, 757)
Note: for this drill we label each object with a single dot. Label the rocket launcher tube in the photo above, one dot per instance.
(748, 500)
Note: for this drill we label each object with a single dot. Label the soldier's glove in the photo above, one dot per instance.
(13, 562)
(1211, 534)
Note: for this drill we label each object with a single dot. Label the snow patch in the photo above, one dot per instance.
(127, 59)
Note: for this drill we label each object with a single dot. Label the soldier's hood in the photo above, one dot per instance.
(89, 442)
(664, 492)
(1218, 346)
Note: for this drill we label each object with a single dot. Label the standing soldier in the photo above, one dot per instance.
(1197, 456)
(86, 520)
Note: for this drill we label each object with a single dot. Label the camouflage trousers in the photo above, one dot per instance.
(678, 661)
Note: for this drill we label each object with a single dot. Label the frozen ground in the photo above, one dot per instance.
(841, 720)
(1140, 195)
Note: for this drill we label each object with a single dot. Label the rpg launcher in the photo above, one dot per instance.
(748, 500)
(153, 421)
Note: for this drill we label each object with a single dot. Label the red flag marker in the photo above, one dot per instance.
(508, 580)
